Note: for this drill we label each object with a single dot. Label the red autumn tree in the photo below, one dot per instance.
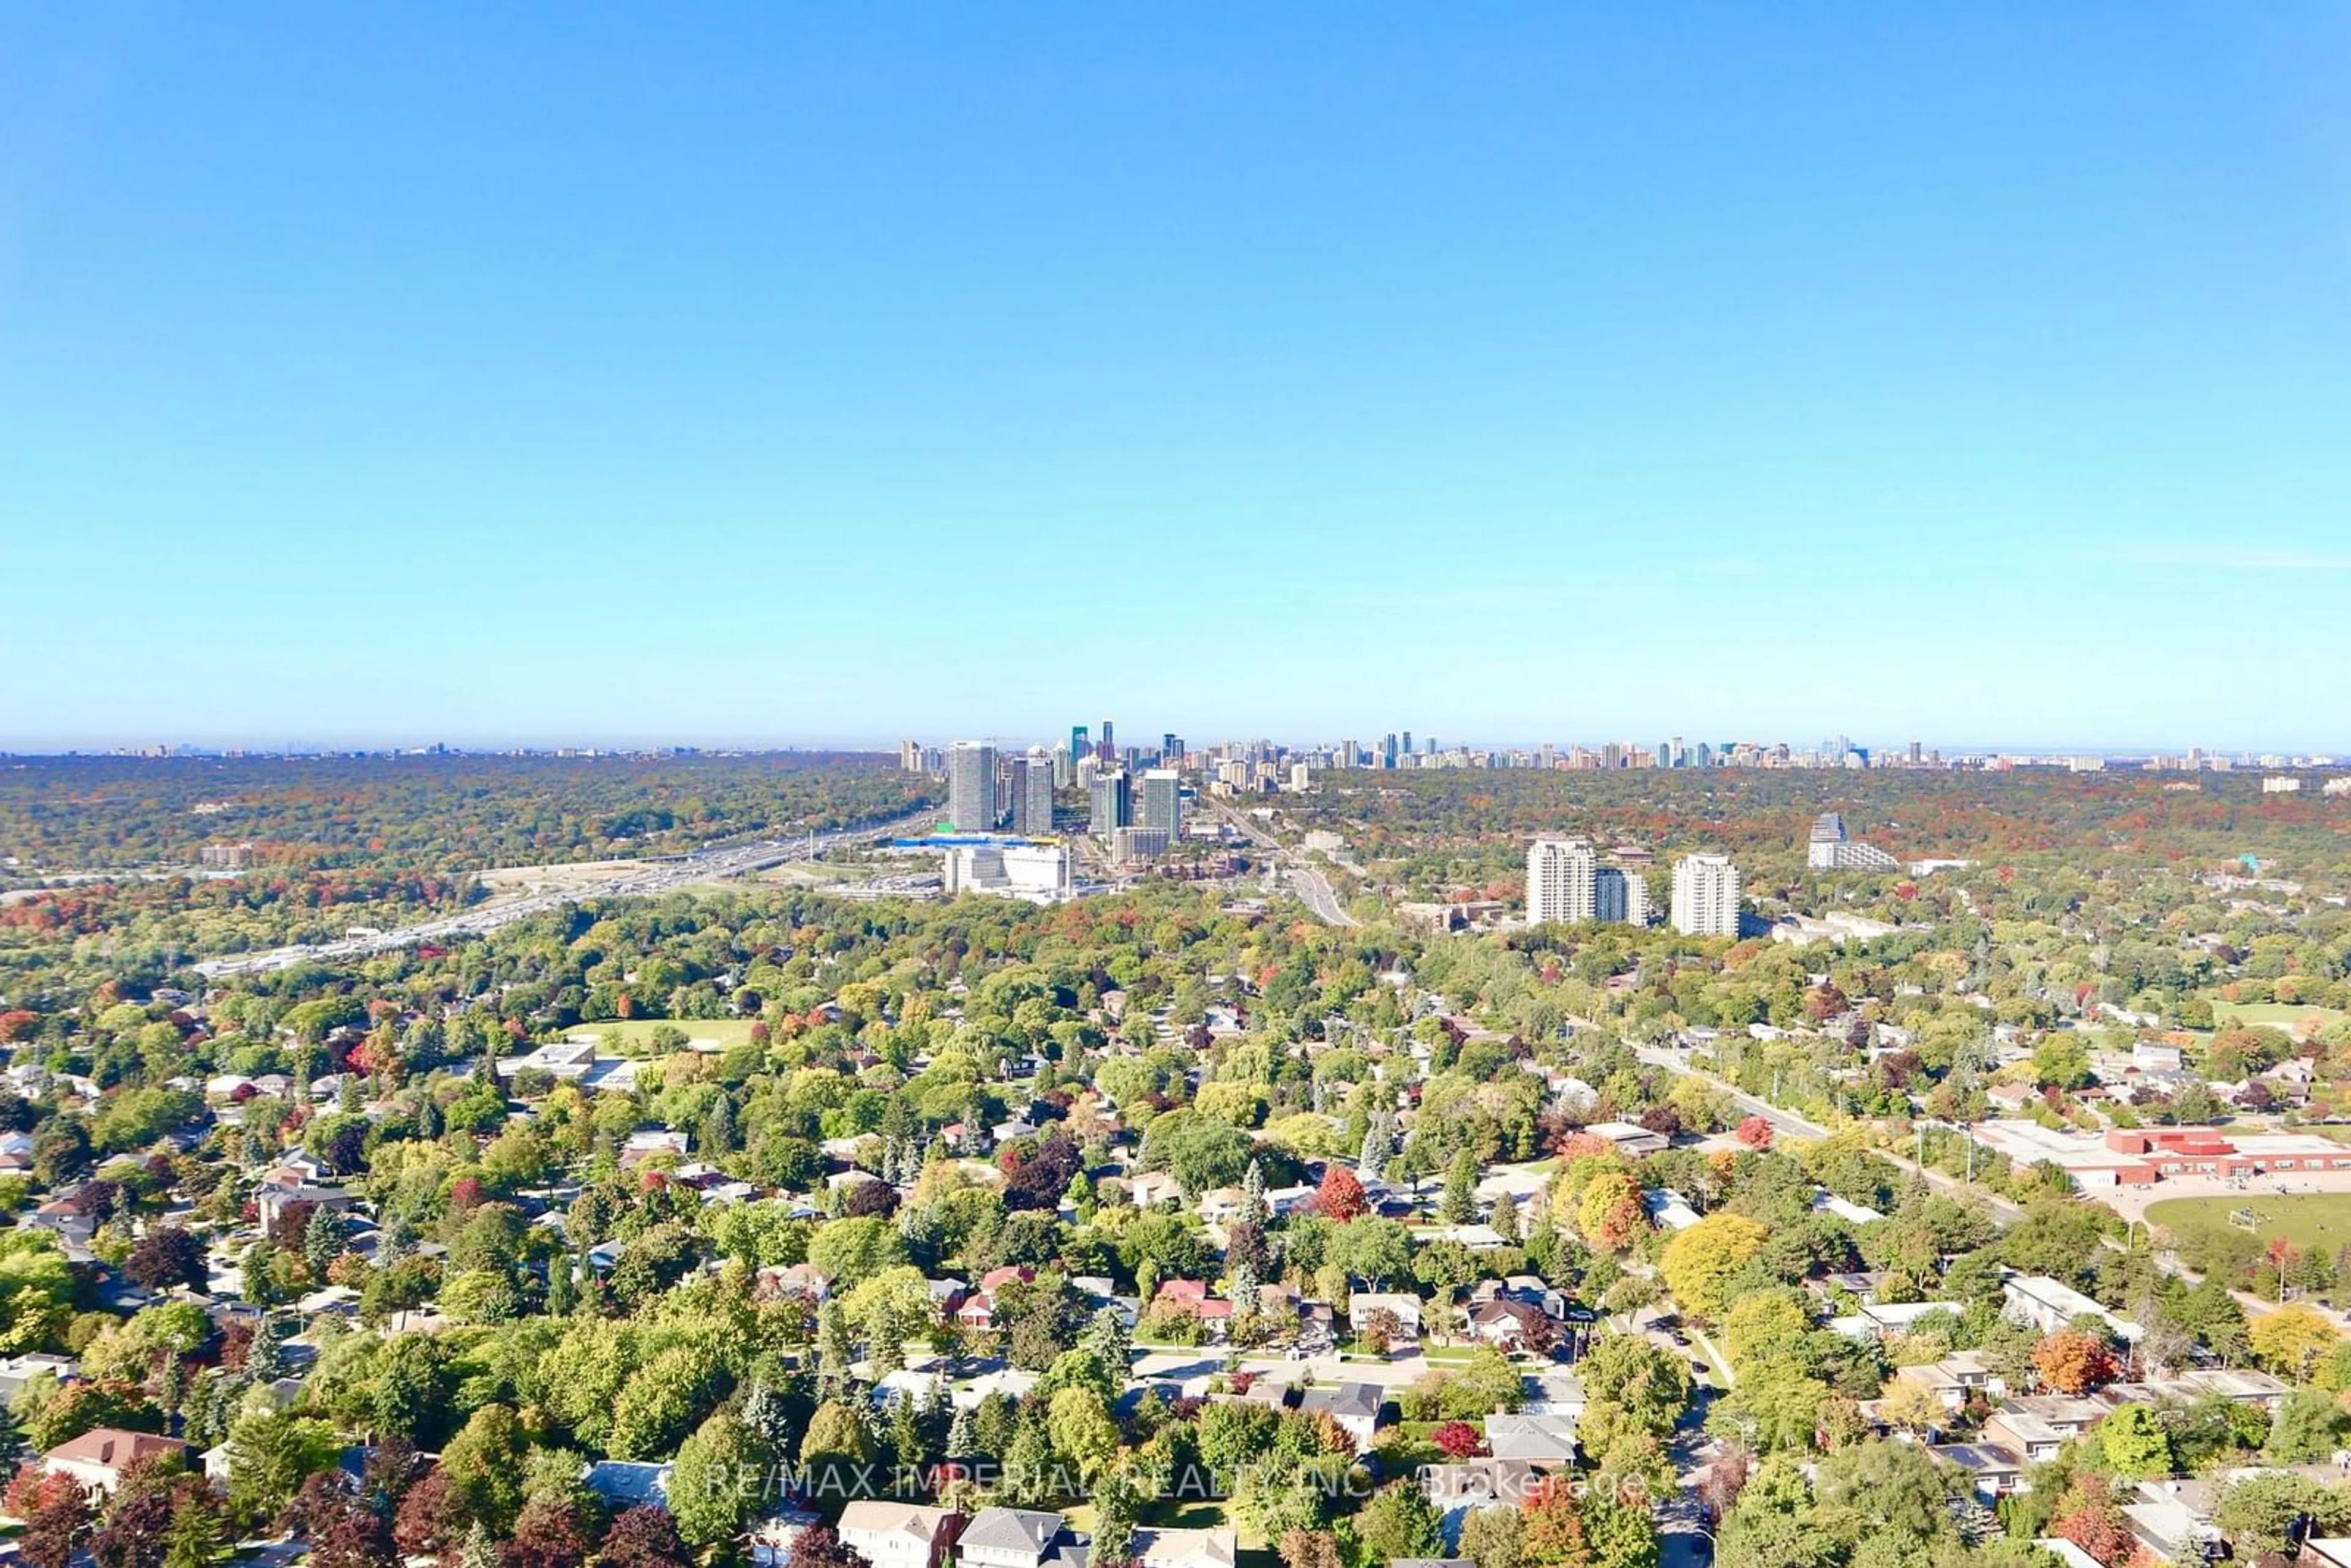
(1755, 1133)
(1551, 1529)
(57, 1526)
(821, 1546)
(1458, 1439)
(2088, 1517)
(644, 1537)
(2073, 1363)
(432, 1520)
(1340, 1195)
(546, 1534)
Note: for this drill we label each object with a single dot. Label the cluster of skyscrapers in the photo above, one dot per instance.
(1136, 810)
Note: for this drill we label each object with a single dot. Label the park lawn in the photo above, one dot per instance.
(2306, 1219)
(639, 1031)
(2293, 1017)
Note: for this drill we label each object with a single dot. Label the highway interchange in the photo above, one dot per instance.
(712, 863)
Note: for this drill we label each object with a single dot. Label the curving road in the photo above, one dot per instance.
(655, 877)
(1312, 888)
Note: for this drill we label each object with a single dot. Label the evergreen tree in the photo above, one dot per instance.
(196, 1538)
(718, 1134)
(1505, 1220)
(1379, 1144)
(479, 1550)
(833, 1356)
(962, 1437)
(1105, 1338)
(171, 1384)
(906, 1433)
(1458, 1204)
(562, 1288)
(322, 1241)
(768, 1416)
(265, 1362)
(1253, 1190)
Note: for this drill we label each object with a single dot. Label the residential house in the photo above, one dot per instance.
(272, 1198)
(1183, 1548)
(1885, 1320)
(1553, 1393)
(2040, 1427)
(1956, 1377)
(1149, 1187)
(1019, 1538)
(1354, 1405)
(1995, 1469)
(1281, 1202)
(98, 1457)
(2242, 1386)
(15, 1370)
(1630, 1141)
(2173, 1520)
(2051, 1304)
(900, 1534)
(1511, 1325)
(1363, 1303)
(1466, 1484)
(625, 1483)
(1223, 1204)
(1669, 1210)
(1191, 1298)
(1546, 1442)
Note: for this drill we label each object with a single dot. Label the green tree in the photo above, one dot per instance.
(706, 1493)
(1400, 1522)
(2136, 1443)
(2264, 1514)
(485, 1463)
(1458, 1204)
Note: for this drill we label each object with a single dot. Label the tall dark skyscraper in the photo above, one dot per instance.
(1079, 744)
(1108, 749)
(1170, 749)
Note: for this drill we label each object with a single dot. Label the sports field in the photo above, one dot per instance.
(2295, 1018)
(2308, 1219)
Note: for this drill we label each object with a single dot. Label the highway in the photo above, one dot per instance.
(710, 863)
(1310, 887)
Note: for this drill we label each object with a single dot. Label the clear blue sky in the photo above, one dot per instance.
(820, 373)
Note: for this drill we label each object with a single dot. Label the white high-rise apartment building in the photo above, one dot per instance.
(1706, 896)
(1562, 882)
(971, 786)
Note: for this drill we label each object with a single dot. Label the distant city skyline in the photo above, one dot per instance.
(1538, 371)
(1008, 745)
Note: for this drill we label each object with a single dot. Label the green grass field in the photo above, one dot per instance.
(637, 1031)
(2293, 1017)
(2306, 1219)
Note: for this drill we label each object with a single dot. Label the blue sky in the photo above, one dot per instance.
(821, 375)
